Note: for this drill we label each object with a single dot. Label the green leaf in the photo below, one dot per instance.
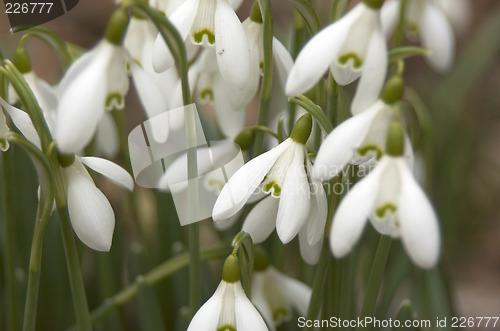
(243, 243)
(308, 13)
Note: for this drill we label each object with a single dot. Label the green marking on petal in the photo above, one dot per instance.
(114, 100)
(226, 327)
(381, 211)
(280, 314)
(344, 59)
(198, 36)
(371, 148)
(215, 184)
(207, 94)
(274, 186)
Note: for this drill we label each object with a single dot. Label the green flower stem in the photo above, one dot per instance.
(319, 284)
(332, 100)
(265, 97)
(399, 34)
(156, 275)
(375, 278)
(9, 247)
(75, 275)
(314, 110)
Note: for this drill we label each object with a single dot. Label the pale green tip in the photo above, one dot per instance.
(395, 139)
(117, 27)
(393, 90)
(261, 261)
(375, 4)
(22, 60)
(302, 129)
(255, 14)
(231, 269)
(65, 160)
(245, 139)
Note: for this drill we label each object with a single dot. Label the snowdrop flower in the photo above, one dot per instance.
(22, 121)
(210, 23)
(362, 136)
(95, 82)
(424, 20)
(395, 204)
(353, 46)
(458, 13)
(229, 307)
(282, 173)
(91, 214)
(274, 293)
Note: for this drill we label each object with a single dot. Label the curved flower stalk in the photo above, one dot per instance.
(275, 294)
(281, 173)
(210, 23)
(395, 204)
(353, 46)
(96, 81)
(361, 137)
(90, 212)
(425, 21)
(229, 307)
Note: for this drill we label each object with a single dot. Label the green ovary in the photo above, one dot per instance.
(198, 36)
(344, 59)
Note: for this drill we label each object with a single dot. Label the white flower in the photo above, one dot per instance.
(357, 140)
(229, 308)
(426, 21)
(353, 46)
(209, 23)
(22, 121)
(91, 214)
(458, 12)
(96, 81)
(274, 294)
(396, 206)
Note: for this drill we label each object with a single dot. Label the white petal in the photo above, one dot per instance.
(459, 12)
(261, 220)
(82, 96)
(247, 317)
(243, 183)
(310, 254)
(374, 70)
(298, 293)
(295, 198)
(91, 214)
(317, 217)
(207, 317)
(389, 16)
(339, 146)
(283, 61)
(231, 45)
(317, 54)
(231, 120)
(419, 223)
(259, 279)
(107, 140)
(352, 214)
(437, 35)
(22, 121)
(113, 171)
(182, 18)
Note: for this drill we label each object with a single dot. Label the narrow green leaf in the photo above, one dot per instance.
(308, 13)
(401, 53)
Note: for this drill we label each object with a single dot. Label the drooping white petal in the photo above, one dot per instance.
(294, 199)
(117, 77)
(352, 214)
(207, 317)
(339, 146)
(374, 70)
(459, 12)
(111, 170)
(437, 35)
(91, 214)
(82, 96)
(259, 282)
(419, 223)
(317, 54)
(107, 140)
(283, 61)
(243, 183)
(261, 220)
(231, 120)
(182, 18)
(247, 317)
(297, 293)
(389, 15)
(310, 253)
(231, 45)
(316, 221)
(22, 121)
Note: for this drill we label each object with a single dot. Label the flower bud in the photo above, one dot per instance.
(117, 26)
(302, 129)
(245, 138)
(393, 90)
(375, 4)
(22, 60)
(231, 269)
(65, 160)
